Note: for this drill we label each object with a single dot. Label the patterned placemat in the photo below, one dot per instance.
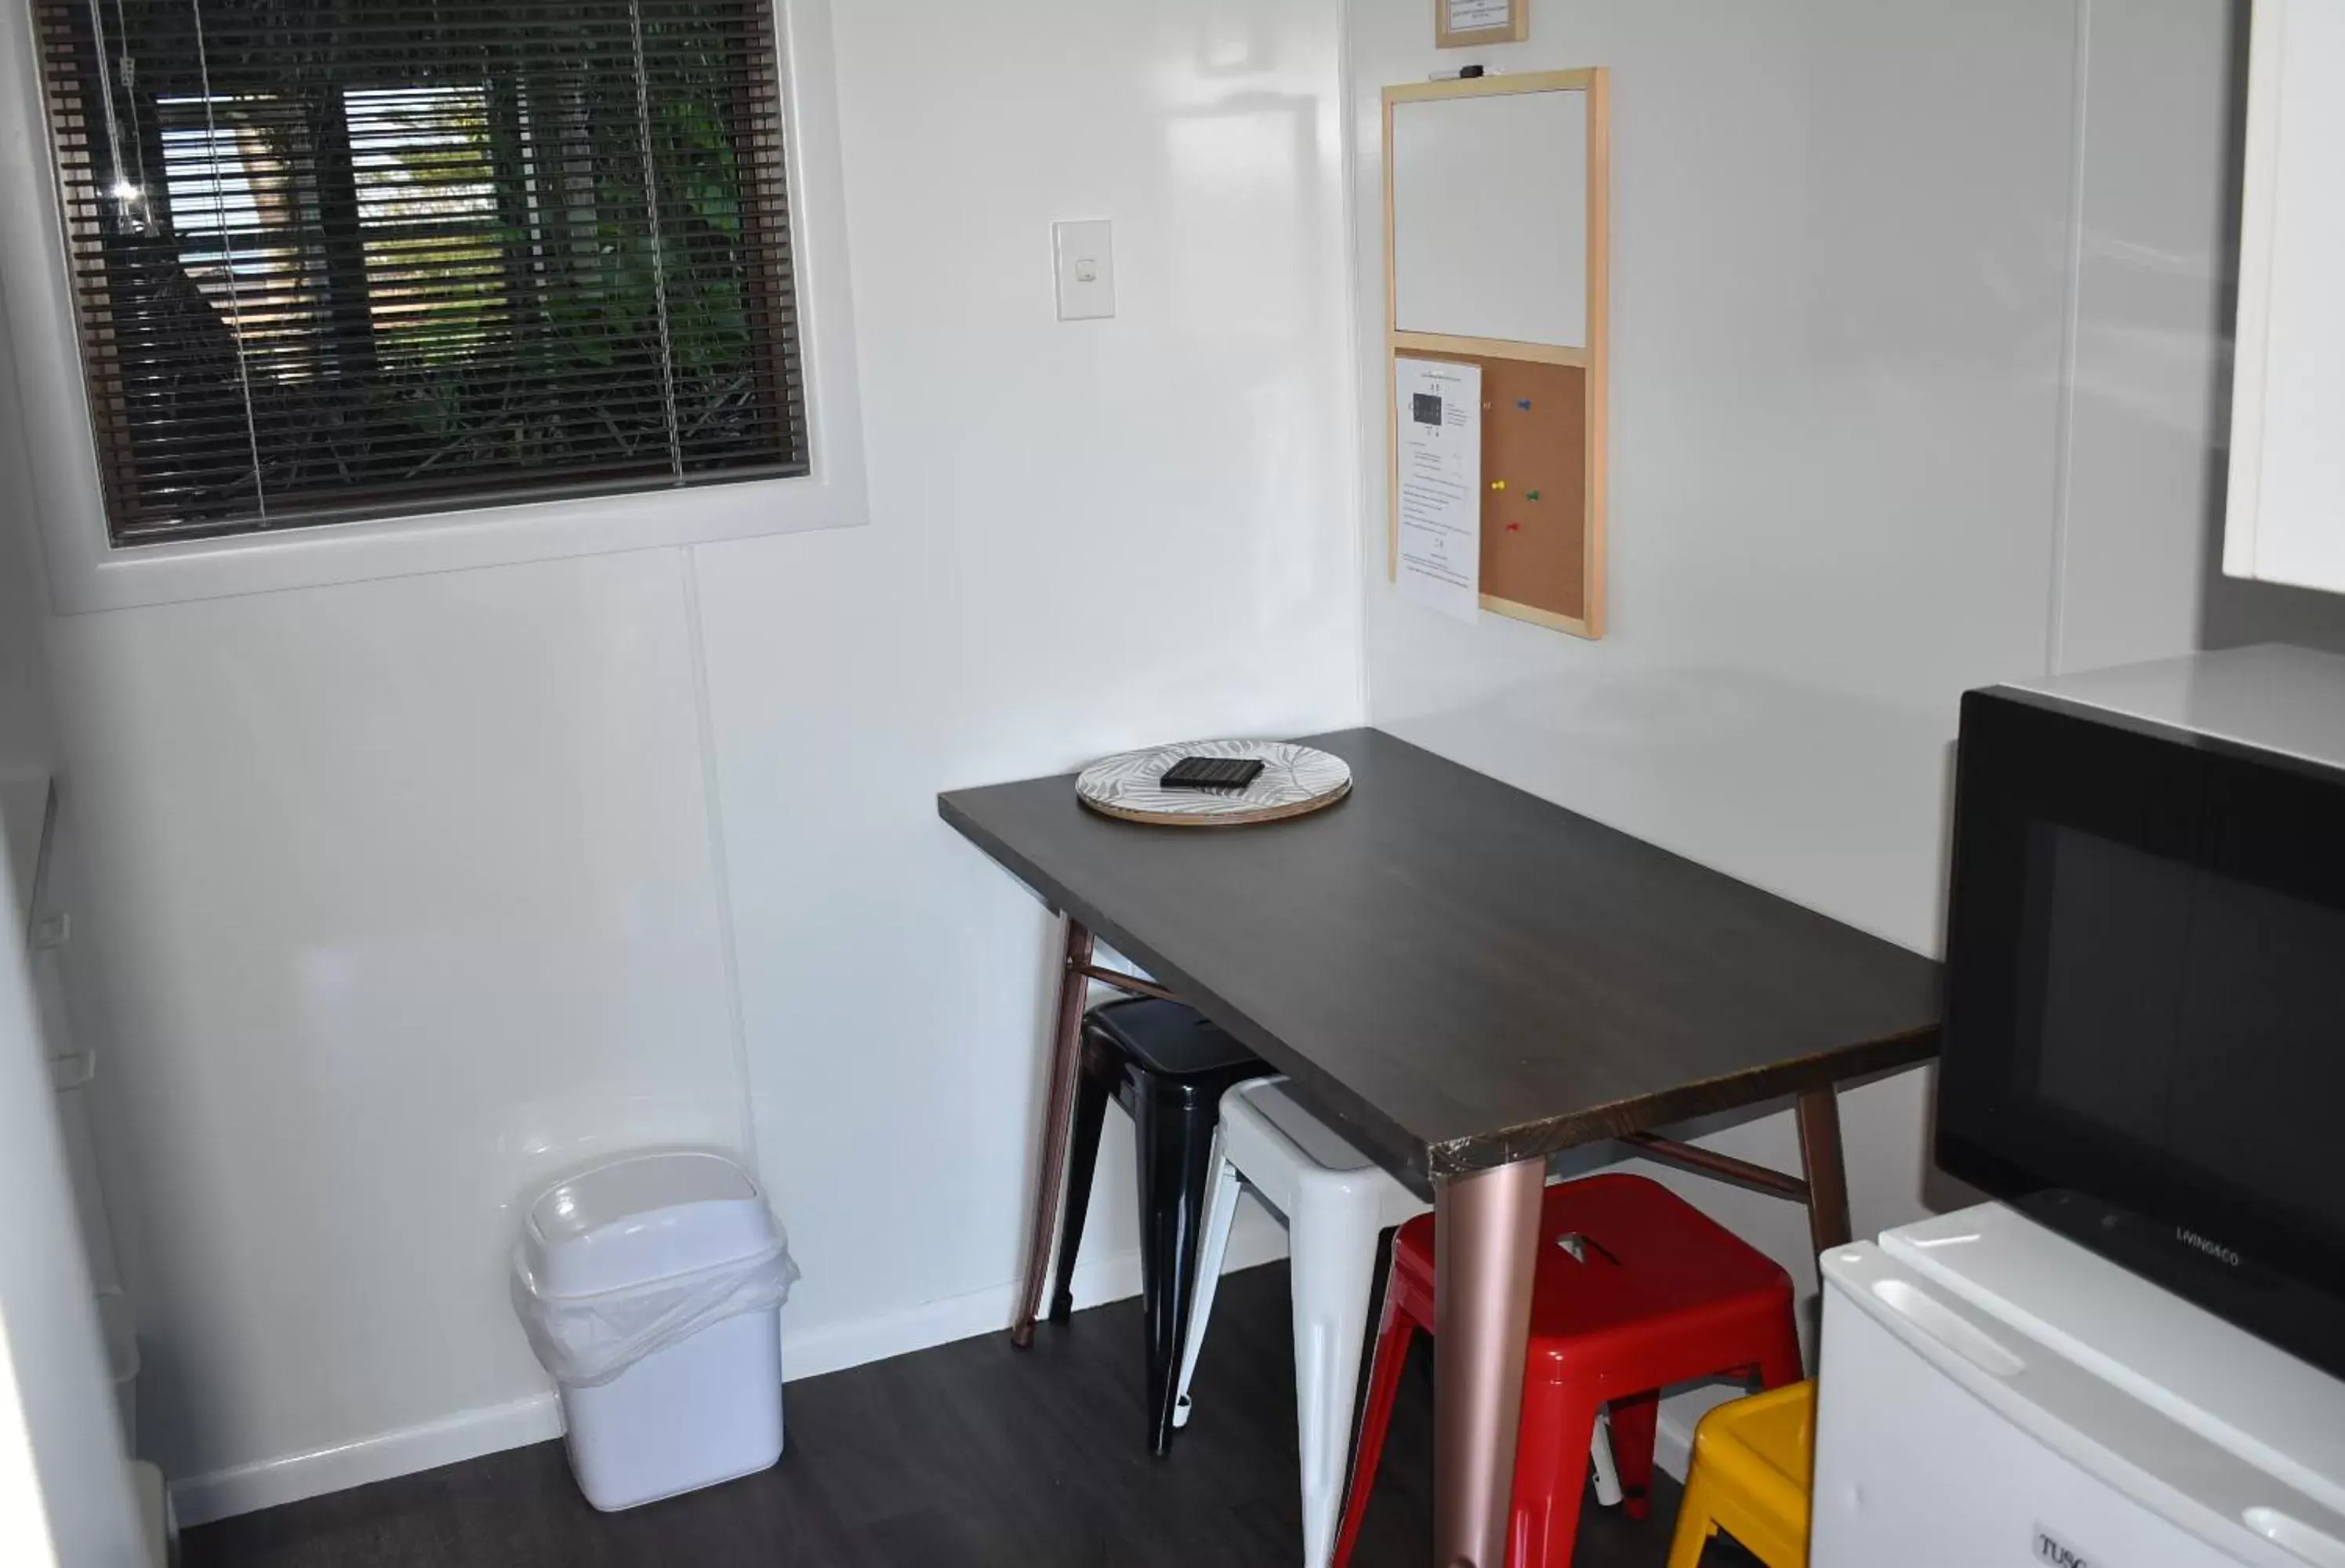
(1294, 781)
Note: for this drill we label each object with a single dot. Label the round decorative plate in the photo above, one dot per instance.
(1293, 781)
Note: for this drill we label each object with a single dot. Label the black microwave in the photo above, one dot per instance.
(2145, 1021)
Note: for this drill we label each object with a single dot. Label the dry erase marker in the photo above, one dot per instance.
(1465, 74)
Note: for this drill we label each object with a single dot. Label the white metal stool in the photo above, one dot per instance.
(1337, 1203)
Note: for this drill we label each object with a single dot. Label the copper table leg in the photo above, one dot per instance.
(1485, 1251)
(1819, 1154)
(1050, 1182)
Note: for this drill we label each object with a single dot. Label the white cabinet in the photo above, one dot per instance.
(2286, 518)
(28, 849)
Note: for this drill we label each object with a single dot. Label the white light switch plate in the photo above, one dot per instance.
(1086, 253)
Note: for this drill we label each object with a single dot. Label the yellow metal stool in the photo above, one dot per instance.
(1750, 1478)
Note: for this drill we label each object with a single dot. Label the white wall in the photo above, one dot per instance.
(1045, 497)
(28, 737)
(415, 890)
(407, 895)
(27, 742)
(1915, 321)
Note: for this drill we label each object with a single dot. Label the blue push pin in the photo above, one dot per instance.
(1524, 404)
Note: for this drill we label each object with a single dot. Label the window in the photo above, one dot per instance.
(383, 257)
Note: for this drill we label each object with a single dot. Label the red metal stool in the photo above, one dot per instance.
(1635, 1290)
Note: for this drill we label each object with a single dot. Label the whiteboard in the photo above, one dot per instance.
(1489, 215)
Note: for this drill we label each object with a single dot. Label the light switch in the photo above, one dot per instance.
(1086, 253)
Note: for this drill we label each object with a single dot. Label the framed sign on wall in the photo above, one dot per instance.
(1462, 24)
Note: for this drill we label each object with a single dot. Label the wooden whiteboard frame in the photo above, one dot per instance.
(1596, 83)
(1516, 30)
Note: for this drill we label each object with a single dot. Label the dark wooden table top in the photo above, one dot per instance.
(1463, 973)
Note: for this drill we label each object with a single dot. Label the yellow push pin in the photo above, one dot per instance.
(1498, 484)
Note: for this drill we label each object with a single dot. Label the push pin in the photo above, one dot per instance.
(1524, 404)
(1498, 484)
(1514, 528)
(1533, 495)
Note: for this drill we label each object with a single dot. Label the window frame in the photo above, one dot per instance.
(86, 573)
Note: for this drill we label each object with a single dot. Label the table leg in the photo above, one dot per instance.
(1486, 1253)
(1051, 1180)
(1827, 1175)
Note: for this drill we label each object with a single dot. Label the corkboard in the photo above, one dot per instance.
(1534, 550)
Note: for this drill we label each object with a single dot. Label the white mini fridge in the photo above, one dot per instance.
(1994, 1394)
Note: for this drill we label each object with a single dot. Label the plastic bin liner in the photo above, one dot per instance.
(588, 1340)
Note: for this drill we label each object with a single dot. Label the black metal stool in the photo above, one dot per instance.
(1167, 1067)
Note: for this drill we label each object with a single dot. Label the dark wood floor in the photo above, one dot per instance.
(972, 1454)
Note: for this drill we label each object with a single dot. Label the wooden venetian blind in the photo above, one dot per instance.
(344, 259)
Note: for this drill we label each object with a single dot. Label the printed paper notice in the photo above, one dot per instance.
(1478, 15)
(1440, 479)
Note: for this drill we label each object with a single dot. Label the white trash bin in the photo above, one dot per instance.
(651, 1287)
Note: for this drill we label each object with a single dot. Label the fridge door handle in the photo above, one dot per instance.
(1948, 1328)
(2297, 1538)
